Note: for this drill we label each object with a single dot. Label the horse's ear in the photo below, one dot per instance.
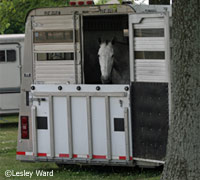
(106, 42)
(113, 40)
(99, 40)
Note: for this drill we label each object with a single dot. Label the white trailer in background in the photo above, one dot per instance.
(66, 115)
(11, 54)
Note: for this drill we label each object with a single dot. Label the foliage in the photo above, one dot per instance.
(101, 2)
(13, 13)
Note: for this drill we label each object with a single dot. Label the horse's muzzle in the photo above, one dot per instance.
(106, 81)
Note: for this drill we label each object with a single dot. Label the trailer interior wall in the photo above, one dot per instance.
(106, 28)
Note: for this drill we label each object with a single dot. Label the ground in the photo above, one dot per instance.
(8, 143)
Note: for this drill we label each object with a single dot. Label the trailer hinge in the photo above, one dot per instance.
(37, 99)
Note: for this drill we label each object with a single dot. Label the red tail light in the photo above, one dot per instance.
(24, 127)
(89, 2)
(80, 2)
(72, 3)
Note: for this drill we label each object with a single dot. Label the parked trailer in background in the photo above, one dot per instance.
(67, 115)
(11, 54)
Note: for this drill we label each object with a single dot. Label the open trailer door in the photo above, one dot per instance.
(149, 67)
(57, 49)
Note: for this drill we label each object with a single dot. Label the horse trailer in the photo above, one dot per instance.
(11, 54)
(68, 114)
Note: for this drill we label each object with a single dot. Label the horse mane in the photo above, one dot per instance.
(120, 72)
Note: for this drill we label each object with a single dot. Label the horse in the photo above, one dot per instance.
(114, 62)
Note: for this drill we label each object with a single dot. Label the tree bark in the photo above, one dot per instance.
(183, 150)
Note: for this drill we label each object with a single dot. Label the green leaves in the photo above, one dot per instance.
(13, 13)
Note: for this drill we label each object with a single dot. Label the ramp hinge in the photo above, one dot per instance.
(38, 100)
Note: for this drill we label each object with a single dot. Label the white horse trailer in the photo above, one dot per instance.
(67, 115)
(11, 53)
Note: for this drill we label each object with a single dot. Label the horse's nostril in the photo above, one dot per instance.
(105, 80)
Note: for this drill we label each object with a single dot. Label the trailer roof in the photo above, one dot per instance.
(105, 9)
(6, 38)
(85, 9)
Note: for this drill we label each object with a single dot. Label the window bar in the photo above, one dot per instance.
(108, 129)
(52, 140)
(75, 48)
(34, 129)
(69, 121)
(6, 60)
(126, 124)
(89, 123)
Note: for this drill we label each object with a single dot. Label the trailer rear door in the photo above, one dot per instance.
(149, 67)
(86, 123)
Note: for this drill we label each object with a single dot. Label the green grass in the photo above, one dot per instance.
(8, 119)
(8, 143)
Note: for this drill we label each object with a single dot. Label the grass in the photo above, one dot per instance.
(8, 143)
(8, 119)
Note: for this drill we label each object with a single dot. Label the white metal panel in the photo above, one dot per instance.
(56, 72)
(118, 137)
(149, 43)
(50, 88)
(148, 70)
(147, 23)
(64, 47)
(99, 126)
(155, 79)
(9, 101)
(79, 125)
(79, 115)
(43, 135)
(151, 70)
(158, 63)
(153, 8)
(11, 38)
(10, 71)
(53, 22)
(49, 72)
(60, 125)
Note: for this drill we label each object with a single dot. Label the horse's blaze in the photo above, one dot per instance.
(106, 59)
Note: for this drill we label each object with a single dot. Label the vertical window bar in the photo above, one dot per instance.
(6, 56)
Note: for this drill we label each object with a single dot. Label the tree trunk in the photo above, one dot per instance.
(183, 151)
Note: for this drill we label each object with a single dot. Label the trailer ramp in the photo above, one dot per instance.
(87, 123)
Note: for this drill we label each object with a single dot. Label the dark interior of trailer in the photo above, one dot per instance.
(106, 28)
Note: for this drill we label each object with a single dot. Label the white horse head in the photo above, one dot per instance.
(106, 60)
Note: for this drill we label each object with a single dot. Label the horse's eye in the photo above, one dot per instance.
(113, 56)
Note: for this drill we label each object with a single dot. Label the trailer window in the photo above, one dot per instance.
(149, 54)
(2, 56)
(159, 32)
(55, 56)
(11, 55)
(53, 36)
(8, 56)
